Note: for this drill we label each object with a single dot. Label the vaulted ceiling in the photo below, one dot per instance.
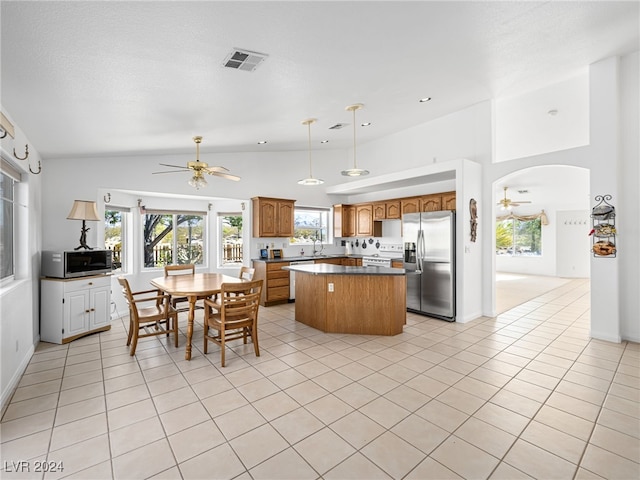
(89, 79)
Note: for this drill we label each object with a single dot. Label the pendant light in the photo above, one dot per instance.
(355, 171)
(310, 180)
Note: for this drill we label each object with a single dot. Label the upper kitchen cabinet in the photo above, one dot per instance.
(448, 201)
(431, 203)
(344, 221)
(272, 217)
(364, 220)
(386, 210)
(410, 205)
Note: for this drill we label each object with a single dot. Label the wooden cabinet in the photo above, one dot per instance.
(344, 221)
(332, 261)
(72, 308)
(379, 211)
(386, 210)
(364, 220)
(393, 209)
(272, 217)
(410, 205)
(275, 286)
(351, 262)
(397, 264)
(431, 203)
(448, 201)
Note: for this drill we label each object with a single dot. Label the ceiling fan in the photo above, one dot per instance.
(199, 169)
(507, 203)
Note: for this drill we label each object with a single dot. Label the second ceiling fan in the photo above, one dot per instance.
(199, 169)
(507, 203)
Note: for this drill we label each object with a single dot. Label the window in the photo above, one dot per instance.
(173, 238)
(516, 237)
(310, 224)
(7, 254)
(115, 235)
(230, 228)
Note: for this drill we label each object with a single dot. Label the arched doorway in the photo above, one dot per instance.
(521, 273)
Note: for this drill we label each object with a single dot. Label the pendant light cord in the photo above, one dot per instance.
(354, 139)
(309, 128)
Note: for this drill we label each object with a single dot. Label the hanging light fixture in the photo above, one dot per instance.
(310, 180)
(355, 171)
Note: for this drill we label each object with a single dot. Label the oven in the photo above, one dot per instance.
(376, 261)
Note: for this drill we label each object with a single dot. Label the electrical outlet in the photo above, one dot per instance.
(331, 287)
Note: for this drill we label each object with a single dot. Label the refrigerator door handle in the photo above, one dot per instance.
(419, 251)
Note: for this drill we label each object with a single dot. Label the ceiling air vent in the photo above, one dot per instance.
(246, 60)
(338, 126)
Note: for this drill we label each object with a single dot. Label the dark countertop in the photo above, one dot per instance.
(306, 257)
(330, 269)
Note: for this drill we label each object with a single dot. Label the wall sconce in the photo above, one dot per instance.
(107, 198)
(85, 211)
(141, 208)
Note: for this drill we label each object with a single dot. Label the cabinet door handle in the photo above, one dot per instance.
(87, 311)
(90, 283)
(93, 309)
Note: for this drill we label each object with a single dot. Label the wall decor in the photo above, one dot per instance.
(603, 231)
(473, 212)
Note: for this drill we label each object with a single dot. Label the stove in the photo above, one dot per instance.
(385, 254)
(376, 262)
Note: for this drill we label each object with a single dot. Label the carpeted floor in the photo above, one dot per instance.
(513, 289)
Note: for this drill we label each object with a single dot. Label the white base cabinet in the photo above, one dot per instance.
(72, 308)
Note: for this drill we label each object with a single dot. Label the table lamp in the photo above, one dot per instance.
(83, 210)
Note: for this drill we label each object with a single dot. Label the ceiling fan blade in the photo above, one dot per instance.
(169, 171)
(174, 166)
(228, 176)
(217, 168)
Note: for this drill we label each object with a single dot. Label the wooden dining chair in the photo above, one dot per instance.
(234, 316)
(246, 273)
(185, 269)
(149, 311)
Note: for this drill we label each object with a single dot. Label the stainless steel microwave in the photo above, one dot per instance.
(76, 263)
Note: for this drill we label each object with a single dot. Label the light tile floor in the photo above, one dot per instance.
(523, 395)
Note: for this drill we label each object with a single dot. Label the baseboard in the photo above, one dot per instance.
(605, 337)
(15, 379)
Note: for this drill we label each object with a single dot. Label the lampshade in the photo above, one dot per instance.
(355, 171)
(83, 210)
(310, 180)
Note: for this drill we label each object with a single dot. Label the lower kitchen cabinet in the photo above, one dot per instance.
(275, 285)
(72, 308)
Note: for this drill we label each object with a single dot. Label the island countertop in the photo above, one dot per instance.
(346, 299)
(330, 269)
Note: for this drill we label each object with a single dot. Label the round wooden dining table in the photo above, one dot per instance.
(193, 287)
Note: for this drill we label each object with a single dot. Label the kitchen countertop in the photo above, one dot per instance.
(306, 257)
(330, 269)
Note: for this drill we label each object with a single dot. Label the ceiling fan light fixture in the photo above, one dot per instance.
(310, 181)
(355, 171)
(198, 181)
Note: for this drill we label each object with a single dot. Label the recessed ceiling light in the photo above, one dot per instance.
(425, 99)
(262, 142)
(324, 141)
(365, 124)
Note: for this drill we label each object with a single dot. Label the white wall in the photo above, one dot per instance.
(628, 202)
(573, 243)
(19, 299)
(525, 128)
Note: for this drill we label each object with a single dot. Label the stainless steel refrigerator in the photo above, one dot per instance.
(430, 261)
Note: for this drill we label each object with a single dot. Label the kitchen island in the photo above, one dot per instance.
(345, 299)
